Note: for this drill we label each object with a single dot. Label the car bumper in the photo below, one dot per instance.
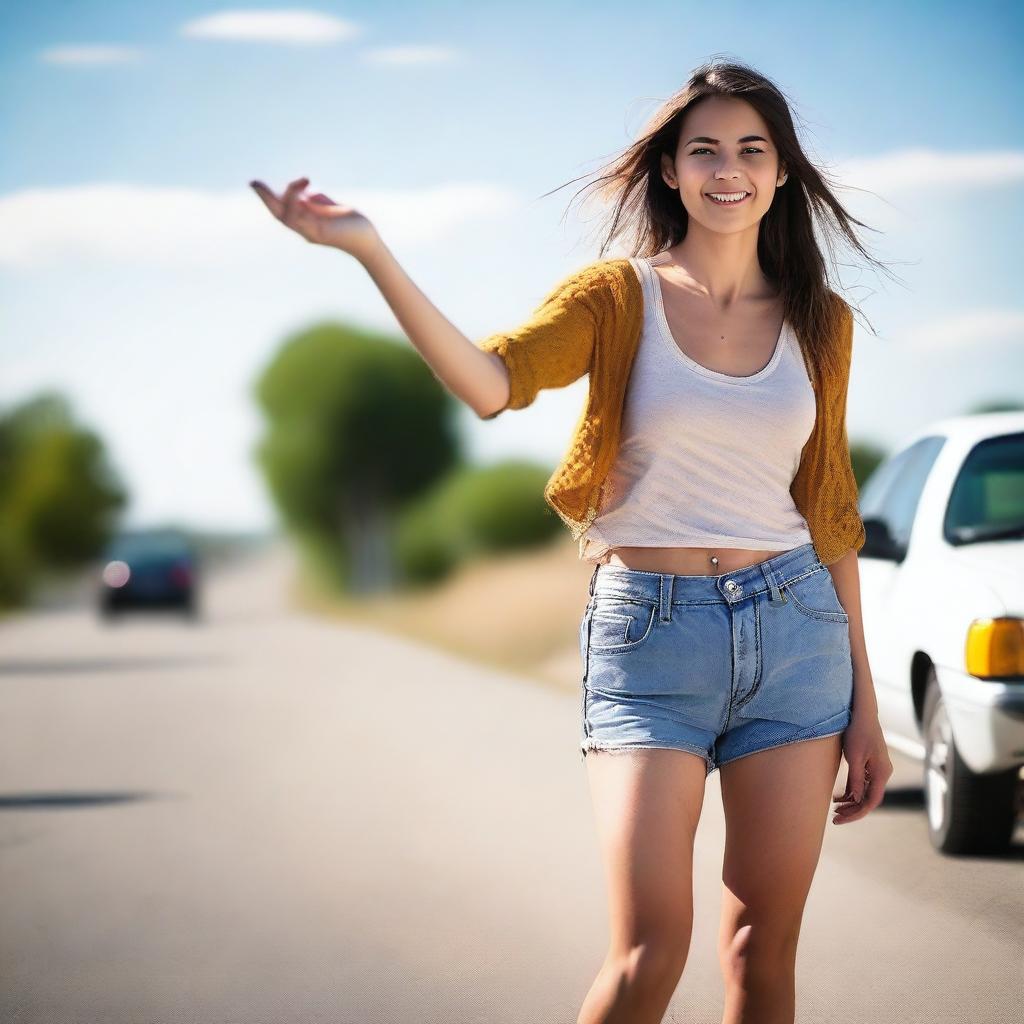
(987, 718)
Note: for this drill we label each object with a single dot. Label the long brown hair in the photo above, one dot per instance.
(787, 248)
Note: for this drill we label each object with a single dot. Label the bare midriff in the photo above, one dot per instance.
(687, 561)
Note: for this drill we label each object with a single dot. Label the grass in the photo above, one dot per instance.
(518, 612)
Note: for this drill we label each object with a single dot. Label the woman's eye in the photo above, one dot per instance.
(704, 149)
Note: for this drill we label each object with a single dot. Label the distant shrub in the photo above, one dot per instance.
(474, 511)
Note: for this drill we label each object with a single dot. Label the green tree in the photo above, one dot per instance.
(865, 458)
(357, 425)
(59, 498)
(997, 405)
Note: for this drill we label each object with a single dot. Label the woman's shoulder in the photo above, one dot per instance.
(602, 285)
(837, 324)
(601, 272)
(840, 311)
(836, 321)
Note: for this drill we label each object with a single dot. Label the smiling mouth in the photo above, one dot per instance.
(728, 202)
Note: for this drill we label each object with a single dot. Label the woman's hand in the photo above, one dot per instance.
(319, 219)
(868, 767)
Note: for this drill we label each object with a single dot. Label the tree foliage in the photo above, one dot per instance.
(59, 497)
(357, 426)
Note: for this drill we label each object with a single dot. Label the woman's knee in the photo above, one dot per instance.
(759, 951)
(652, 965)
(636, 983)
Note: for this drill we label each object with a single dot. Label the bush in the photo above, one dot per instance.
(474, 511)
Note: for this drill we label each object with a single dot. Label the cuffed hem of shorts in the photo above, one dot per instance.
(592, 744)
(817, 732)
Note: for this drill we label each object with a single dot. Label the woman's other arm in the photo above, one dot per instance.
(869, 766)
(846, 578)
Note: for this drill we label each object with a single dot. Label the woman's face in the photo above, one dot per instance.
(724, 147)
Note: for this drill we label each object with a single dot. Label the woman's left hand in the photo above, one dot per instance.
(868, 767)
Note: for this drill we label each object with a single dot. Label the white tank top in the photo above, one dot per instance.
(705, 459)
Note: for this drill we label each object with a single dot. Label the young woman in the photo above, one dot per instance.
(709, 480)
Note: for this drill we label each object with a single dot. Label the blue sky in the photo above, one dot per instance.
(139, 274)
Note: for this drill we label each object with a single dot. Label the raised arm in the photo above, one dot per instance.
(504, 370)
(477, 377)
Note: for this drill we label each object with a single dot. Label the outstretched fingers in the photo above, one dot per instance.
(271, 201)
(289, 200)
(283, 207)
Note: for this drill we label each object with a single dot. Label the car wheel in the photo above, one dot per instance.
(967, 812)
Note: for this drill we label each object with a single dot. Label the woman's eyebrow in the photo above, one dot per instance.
(714, 142)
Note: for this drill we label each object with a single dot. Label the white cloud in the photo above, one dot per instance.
(285, 25)
(961, 332)
(920, 170)
(409, 55)
(139, 225)
(90, 56)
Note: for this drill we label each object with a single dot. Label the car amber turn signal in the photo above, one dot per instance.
(995, 648)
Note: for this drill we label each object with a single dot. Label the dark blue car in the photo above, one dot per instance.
(149, 570)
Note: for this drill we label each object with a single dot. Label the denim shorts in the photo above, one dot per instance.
(722, 666)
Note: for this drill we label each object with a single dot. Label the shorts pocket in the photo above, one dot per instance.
(620, 624)
(814, 596)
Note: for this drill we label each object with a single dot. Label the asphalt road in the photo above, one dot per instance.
(267, 817)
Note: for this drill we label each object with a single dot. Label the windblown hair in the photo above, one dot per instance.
(652, 213)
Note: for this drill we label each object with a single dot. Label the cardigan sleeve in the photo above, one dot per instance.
(824, 488)
(849, 527)
(555, 346)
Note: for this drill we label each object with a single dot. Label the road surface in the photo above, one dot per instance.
(268, 817)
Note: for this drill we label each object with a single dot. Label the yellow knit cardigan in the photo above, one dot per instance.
(590, 323)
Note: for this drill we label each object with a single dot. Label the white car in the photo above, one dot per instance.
(942, 594)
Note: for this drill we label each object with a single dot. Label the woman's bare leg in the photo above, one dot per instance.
(776, 805)
(647, 803)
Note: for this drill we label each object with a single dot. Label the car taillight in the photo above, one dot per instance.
(995, 647)
(181, 573)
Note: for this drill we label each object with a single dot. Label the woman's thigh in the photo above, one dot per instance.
(776, 804)
(647, 803)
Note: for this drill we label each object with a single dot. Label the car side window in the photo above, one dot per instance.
(893, 491)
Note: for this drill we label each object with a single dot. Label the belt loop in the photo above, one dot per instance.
(775, 594)
(593, 578)
(665, 596)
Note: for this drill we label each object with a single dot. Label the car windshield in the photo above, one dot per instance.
(987, 500)
(163, 545)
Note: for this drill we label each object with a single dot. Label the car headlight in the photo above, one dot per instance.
(116, 573)
(995, 647)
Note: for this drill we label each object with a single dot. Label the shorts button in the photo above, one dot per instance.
(731, 585)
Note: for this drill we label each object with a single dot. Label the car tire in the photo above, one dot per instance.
(966, 812)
